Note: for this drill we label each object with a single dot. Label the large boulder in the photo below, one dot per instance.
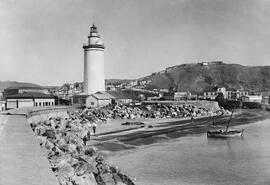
(105, 179)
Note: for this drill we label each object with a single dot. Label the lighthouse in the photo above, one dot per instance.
(94, 75)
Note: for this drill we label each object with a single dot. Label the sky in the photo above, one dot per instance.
(41, 41)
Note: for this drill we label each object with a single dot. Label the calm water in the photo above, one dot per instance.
(198, 160)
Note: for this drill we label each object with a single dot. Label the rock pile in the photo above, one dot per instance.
(145, 111)
(178, 111)
(65, 140)
(125, 112)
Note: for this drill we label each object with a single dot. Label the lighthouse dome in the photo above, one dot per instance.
(95, 41)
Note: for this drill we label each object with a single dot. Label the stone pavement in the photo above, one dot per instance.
(21, 157)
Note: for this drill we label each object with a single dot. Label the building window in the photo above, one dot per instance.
(43, 103)
(49, 103)
(39, 103)
(36, 104)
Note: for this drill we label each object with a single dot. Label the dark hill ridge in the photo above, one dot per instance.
(198, 77)
(6, 84)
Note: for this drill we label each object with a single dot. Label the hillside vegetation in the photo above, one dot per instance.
(198, 77)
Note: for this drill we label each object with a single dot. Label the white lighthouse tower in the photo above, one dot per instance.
(94, 75)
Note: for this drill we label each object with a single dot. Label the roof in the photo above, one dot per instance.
(23, 87)
(252, 96)
(210, 89)
(119, 94)
(81, 95)
(29, 95)
(102, 95)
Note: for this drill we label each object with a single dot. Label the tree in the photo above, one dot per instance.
(220, 98)
(77, 85)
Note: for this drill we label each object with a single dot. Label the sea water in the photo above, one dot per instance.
(200, 160)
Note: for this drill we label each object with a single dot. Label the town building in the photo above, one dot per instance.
(251, 98)
(102, 98)
(181, 95)
(79, 99)
(265, 97)
(99, 99)
(29, 99)
(210, 93)
(223, 91)
(120, 97)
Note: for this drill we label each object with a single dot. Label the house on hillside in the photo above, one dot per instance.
(29, 99)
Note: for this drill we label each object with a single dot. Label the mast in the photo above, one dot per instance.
(229, 123)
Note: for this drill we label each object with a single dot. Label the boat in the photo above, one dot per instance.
(226, 133)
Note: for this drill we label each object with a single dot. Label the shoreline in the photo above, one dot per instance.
(121, 139)
(192, 159)
(3, 121)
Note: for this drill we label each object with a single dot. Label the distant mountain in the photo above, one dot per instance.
(6, 84)
(201, 76)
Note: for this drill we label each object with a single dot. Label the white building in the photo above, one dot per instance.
(181, 95)
(99, 99)
(252, 98)
(29, 99)
(223, 91)
(94, 75)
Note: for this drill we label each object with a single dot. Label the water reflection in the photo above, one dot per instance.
(228, 143)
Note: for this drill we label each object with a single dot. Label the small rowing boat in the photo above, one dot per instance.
(226, 133)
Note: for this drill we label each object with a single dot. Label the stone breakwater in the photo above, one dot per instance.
(188, 109)
(65, 140)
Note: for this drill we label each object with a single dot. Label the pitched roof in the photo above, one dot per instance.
(30, 95)
(119, 94)
(102, 95)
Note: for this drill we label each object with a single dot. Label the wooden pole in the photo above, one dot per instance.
(229, 123)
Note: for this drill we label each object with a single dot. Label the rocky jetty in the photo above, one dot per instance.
(179, 111)
(150, 111)
(65, 139)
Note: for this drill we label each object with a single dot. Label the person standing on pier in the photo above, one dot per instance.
(192, 118)
(94, 128)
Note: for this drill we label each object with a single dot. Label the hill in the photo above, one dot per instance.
(200, 76)
(116, 81)
(6, 84)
